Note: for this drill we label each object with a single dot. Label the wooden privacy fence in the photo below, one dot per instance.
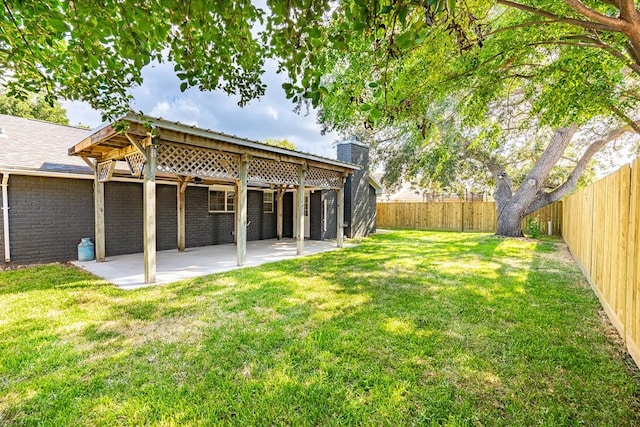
(458, 216)
(602, 229)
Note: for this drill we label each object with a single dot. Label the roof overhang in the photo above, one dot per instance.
(376, 185)
(112, 141)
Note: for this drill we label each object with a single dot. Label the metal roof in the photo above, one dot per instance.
(160, 123)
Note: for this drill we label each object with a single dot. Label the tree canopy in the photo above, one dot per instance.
(34, 107)
(529, 93)
(281, 143)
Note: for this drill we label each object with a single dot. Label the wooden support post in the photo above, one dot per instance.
(302, 173)
(149, 213)
(181, 190)
(340, 216)
(280, 214)
(98, 208)
(241, 213)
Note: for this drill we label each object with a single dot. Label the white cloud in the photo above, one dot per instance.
(271, 116)
(272, 112)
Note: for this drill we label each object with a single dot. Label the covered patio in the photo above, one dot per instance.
(127, 272)
(158, 150)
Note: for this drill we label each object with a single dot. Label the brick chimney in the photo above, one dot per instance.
(359, 196)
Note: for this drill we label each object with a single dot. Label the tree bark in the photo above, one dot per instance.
(512, 206)
(510, 221)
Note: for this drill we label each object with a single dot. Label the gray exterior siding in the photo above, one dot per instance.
(48, 217)
(331, 197)
(203, 228)
(359, 212)
(123, 217)
(317, 220)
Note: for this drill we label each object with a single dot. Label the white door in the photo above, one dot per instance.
(307, 222)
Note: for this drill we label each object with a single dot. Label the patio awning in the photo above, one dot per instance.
(153, 146)
(188, 151)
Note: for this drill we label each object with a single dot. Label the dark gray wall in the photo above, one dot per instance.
(358, 210)
(123, 217)
(316, 221)
(48, 217)
(331, 197)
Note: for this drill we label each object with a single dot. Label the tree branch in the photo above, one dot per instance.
(544, 199)
(626, 118)
(627, 10)
(540, 171)
(616, 23)
(504, 185)
(631, 62)
(546, 14)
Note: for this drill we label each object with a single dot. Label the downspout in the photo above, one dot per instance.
(5, 217)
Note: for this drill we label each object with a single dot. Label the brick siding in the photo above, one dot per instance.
(48, 217)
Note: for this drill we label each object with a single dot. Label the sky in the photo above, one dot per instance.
(270, 116)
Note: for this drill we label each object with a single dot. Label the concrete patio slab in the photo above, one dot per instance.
(127, 271)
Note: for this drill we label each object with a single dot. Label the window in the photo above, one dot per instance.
(306, 205)
(221, 200)
(267, 202)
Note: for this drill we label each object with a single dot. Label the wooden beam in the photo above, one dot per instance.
(92, 140)
(149, 213)
(117, 153)
(280, 212)
(302, 173)
(136, 144)
(89, 163)
(181, 207)
(241, 213)
(340, 216)
(98, 209)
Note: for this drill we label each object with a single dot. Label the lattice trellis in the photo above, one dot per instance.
(273, 172)
(135, 161)
(196, 161)
(323, 178)
(105, 170)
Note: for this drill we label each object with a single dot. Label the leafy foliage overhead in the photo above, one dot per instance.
(95, 51)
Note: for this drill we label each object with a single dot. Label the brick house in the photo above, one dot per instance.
(49, 201)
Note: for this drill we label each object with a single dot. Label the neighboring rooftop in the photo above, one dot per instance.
(36, 145)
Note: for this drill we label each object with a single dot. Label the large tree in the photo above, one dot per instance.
(487, 89)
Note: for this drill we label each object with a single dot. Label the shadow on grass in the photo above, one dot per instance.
(409, 328)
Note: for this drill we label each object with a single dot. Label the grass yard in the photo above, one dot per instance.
(409, 328)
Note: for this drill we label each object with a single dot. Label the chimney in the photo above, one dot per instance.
(359, 196)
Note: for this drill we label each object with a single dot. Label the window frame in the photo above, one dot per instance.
(266, 203)
(229, 193)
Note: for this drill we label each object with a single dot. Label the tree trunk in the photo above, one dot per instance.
(509, 220)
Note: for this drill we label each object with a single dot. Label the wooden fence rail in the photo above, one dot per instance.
(458, 216)
(602, 229)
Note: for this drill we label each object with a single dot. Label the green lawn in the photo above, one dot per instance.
(409, 328)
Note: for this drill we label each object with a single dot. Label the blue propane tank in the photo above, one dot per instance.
(85, 250)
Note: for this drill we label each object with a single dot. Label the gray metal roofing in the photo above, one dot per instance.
(159, 122)
(29, 144)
